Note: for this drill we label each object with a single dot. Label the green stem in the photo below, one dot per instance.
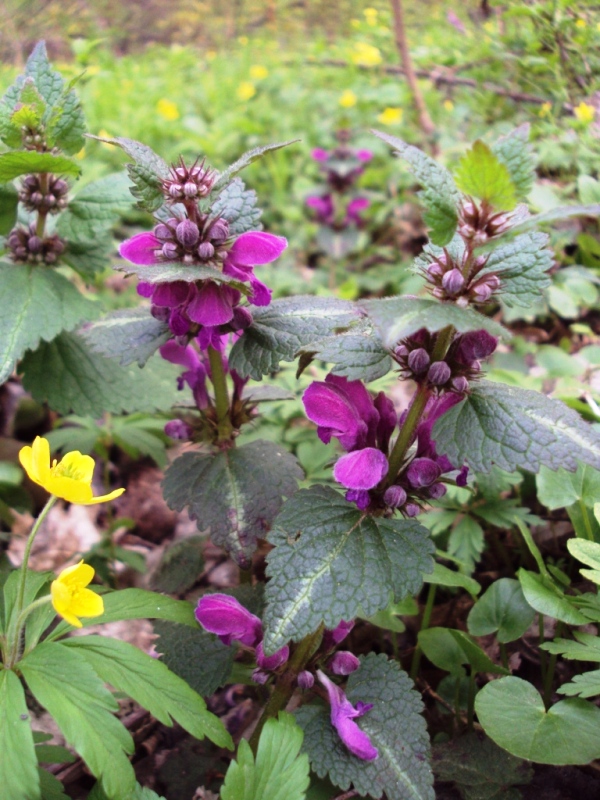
(543, 656)
(23, 579)
(15, 654)
(586, 521)
(219, 382)
(550, 669)
(504, 655)
(286, 683)
(533, 548)
(245, 577)
(416, 661)
(471, 699)
(41, 218)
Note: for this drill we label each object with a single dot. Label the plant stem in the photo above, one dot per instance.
(533, 548)
(41, 218)
(586, 520)
(23, 579)
(286, 683)
(219, 382)
(550, 669)
(416, 661)
(504, 655)
(15, 654)
(543, 656)
(246, 577)
(471, 699)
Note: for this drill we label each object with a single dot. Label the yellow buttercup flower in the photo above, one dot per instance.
(448, 105)
(167, 109)
(545, 109)
(584, 112)
(71, 599)
(581, 23)
(348, 99)
(366, 55)
(246, 90)
(69, 478)
(258, 72)
(390, 116)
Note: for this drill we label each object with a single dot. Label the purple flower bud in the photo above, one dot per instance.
(187, 233)
(394, 497)
(271, 662)
(401, 351)
(177, 429)
(343, 663)
(161, 313)
(423, 472)
(460, 384)
(242, 319)
(453, 281)
(260, 676)
(175, 191)
(190, 189)
(461, 478)
(435, 271)
(225, 616)
(437, 490)
(481, 293)
(475, 345)
(332, 638)
(162, 232)
(412, 509)
(170, 250)
(206, 251)
(306, 680)
(219, 230)
(418, 360)
(360, 497)
(439, 373)
(178, 322)
(34, 244)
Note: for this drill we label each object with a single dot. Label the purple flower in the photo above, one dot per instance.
(475, 346)
(322, 205)
(364, 155)
(195, 374)
(361, 469)
(319, 154)
(223, 615)
(343, 663)
(212, 304)
(249, 250)
(343, 714)
(306, 680)
(337, 635)
(354, 208)
(343, 409)
(423, 472)
(271, 662)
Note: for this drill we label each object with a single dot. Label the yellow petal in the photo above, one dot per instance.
(41, 458)
(69, 489)
(71, 619)
(77, 466)
(104, 498)
(26, 459)
(78, 575)
(61, 596)
(87, 604)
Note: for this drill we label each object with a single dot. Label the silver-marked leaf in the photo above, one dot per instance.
(234, 494)
(357, 354)
(281, 329)
(127, 334)
(522, 266)
(515, 428)
(394, 725)
(516, 153)
(332, 562)
(96, 208)
(23, 162)
(397, 317)
(175, 271)
(238, 206)
(246, 159)
(439, 193)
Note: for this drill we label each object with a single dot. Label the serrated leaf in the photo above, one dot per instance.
(168, 272)
(179, 567)
(561, 488)
(589, 554)
(585, 648)
(65, 684)
(450, 649)
(66, 123)
(235, 494)
(439, 193)
(24, 162)
(18, 764)
(502, 609)
(516, 153)
(480, 769)
(546, 598)
(9, 200)
(331, 562)
(394, 725)
(48, 82)
(128, 335)
(522, 266)
(481, 174)
(466, 542)
(585, 685)
(512, 713)
(89, 257)
(42, 304)
(357, 354)
(515, 428)
(146, 173)
(398, 317)
(88, 384)
(198, 657)
(246, 159)
(281, 329)
(237, 205)
(151, 684)
(96, 208)
(279, 771)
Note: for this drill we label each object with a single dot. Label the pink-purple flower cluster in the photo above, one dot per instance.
(231, 622)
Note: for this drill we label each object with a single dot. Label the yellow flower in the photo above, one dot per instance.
(584, 112)
(258, 72)
(489, 26)
(448, 105)
(390, 116)
(365, 55)
(348, 99)
(246, 90)
(581, 23)
(545, 109)
(71, 599)
(70, 478)
(243, 40)
(371, 16)
(167, 109)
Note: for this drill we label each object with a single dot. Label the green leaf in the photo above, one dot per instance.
(24, 162)
(34, 583)
(151, 684)
(42, 304)
(589, 189)
(481, 174)
(9, 200)
(235, 494)
(554, 215)
(237, 205)
(52, 788)
(65, 684)
(439, 195)
(398, 317)
(179, 567)
(198, 657)
(512, 713)
(89, 384)
(449, 649)
(281, 329)
(466, 542)
(53, 754)
(522, 266)
(357, 354)
(88, 257)
(480, 769)
(546, 598)
(146, 173)
(515, 152)
(588, 553)
(561, 488)
(585, 648)
(394, 725)
(390, 618)
(331, 562)
(168, 272)
(585, 685)
(246, 159)
(442, 576)
(127, 334)
(515, 428)
(502, 609)
(96, 208)
(18, 764)
(279, 772)
(48, 82)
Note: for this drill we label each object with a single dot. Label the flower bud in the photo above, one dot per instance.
(418, 360)
(402, 351)
(423, 472)
(435, 271)
(206, 251)
(481, 293)
(343, 663)
(190, 189)
(219, 230)
(271, 662)
(188, 234)
(437, 490)
(161, 313)
(177, 429)
(439, 373)
(175, 191)
(460, 384)
(412, 509)
(162, 232)
(170, 251)
(306, 679)
(453, 281)
(334, 637)
(260, 676)
(394, 497)
(242, 319)
(476, 345)
(34, 244)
